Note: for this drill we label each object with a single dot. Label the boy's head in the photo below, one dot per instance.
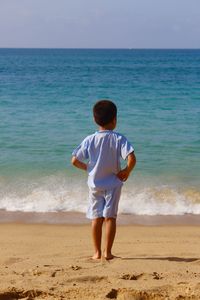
(104, 112)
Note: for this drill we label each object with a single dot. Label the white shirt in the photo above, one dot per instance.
(103, 151)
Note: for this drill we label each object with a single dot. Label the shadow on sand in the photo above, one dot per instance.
(169, 258)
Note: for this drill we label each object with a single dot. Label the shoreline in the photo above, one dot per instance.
(75, 218)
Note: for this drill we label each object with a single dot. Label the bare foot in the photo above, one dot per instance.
(96, 256)
(109, 257)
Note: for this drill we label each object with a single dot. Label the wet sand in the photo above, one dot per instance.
(80, 218)
(41, 261)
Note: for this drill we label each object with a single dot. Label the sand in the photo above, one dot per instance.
(53, 262)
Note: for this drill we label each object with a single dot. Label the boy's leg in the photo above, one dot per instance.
(110, 213)
(110, 236)
(95, 212)
(96, 235)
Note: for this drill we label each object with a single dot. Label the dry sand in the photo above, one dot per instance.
(53, 262)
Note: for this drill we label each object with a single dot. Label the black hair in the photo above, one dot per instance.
(104, 112)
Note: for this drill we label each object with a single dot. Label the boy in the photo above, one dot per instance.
(102, 151)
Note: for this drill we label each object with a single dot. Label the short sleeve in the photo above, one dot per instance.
(126, 148)
(81, 152)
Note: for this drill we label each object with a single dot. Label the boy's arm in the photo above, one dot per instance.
(79, 164)
(124, 173)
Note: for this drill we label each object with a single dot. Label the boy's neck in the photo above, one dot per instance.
(110, 126)
(105, 128)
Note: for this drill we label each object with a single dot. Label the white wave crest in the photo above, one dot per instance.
(59, 194)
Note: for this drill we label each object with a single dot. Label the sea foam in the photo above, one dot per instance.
(55, 194)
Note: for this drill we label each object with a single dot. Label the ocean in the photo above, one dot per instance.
(46, 99)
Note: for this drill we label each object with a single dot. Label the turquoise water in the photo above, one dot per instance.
(46, 99)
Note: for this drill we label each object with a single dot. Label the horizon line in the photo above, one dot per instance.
(102, 48)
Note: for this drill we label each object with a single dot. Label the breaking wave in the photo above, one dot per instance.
(57, 193)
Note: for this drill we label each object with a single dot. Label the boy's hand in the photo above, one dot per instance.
(123, 174)
(79, 164)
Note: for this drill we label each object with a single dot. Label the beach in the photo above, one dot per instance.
(46, 104)
(45, 261)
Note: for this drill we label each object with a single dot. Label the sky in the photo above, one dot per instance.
(100, 23)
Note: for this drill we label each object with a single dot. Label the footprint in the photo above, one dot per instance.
(140, 295)
(14, 294)
(12, 260)
(75, 268)
(93, 279)
(112, 294)
(34, 272)
(131, 276)
(157, 276)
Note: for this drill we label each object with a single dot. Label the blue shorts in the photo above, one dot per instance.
(103, 203)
